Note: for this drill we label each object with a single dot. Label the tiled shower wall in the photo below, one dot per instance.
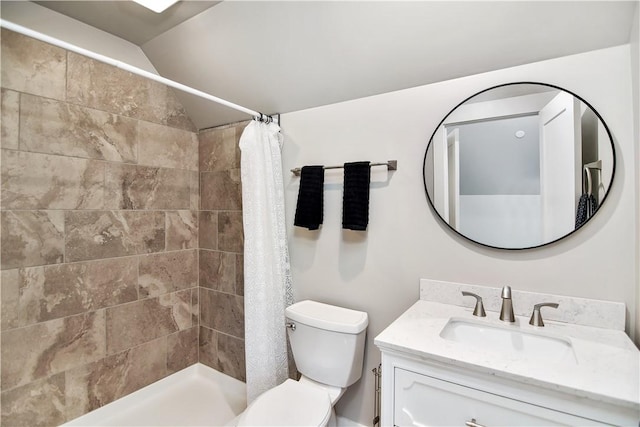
(99, 247)
(221, 248)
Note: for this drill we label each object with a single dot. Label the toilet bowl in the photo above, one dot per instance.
(328, 346)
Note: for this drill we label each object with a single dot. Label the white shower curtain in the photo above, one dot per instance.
(267, 276)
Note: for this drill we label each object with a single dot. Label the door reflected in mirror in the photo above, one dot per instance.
(519, 165)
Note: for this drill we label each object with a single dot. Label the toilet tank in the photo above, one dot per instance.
(327, 342)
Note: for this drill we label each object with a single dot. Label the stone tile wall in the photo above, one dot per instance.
(221, 242)
(99, 249)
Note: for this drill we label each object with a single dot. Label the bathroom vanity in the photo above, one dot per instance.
(441, 365)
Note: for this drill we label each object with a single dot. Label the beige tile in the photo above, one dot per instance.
(42, 181)
(220, 190)
(10, 297)
(31, 66)
(217, 270)
(107, 234)
(104, 87)
(240, 127)
(231, 360)
(208, 229)
(132, 324)
(181, 309)
(182, 230)
(48, 348)
(107, 88)
(230, 231)
(39, 403)
(167, 272)
(218, 150)
(240, 274)
(194, 191)
(182, 349)
(195, 307)
(163, 146)
(96, 384)
(208, 347)
(9, 119)
(31, 238)
(222, 312)
(53, 292)
(222, 352)
(48, 126)
(175, 115)
(142, 187)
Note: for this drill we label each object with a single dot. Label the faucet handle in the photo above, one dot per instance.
(536, 317)
(479, 308)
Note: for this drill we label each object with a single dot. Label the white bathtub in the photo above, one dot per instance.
(195, 396)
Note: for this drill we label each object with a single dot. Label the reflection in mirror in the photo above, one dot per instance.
(519, 165)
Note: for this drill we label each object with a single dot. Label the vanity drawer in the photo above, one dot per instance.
(421, 400)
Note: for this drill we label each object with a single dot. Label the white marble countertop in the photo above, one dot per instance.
(607, 368)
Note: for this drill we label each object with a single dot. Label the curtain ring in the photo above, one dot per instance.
(264, 118)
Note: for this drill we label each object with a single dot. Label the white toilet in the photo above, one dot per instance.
(328, 347)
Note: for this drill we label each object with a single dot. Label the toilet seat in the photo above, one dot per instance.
(290, 404)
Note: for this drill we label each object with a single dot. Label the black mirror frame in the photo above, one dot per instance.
(613, 172)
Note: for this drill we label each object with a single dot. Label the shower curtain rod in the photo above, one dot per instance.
(135, 70)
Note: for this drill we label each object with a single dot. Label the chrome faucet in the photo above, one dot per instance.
(506, 312)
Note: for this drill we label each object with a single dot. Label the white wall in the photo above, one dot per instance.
(635, 79)
(378, 271)
(54, 24)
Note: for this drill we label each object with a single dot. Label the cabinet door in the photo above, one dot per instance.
(421, 400)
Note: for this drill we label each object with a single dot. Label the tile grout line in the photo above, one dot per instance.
(96, 159)
(96, 260)
(95, 310)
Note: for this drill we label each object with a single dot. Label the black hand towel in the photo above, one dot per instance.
(310, 198)
(587, 206)
(355, 198)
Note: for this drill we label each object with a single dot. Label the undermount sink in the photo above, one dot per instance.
(510, 341)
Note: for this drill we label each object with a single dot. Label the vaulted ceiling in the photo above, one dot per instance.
(292, 55)
(127, 19)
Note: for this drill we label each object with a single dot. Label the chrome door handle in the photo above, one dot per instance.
(473, 423)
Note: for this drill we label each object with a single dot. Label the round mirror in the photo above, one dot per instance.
(519, 165)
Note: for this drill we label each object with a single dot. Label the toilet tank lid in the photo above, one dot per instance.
(329, 317)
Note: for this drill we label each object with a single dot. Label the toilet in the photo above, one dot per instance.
(328, 347)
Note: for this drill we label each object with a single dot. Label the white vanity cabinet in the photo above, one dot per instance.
(419, 393)
(443, 366)
(427, 401)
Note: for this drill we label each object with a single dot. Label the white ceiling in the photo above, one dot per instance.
(293, 55)
(126, 19)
